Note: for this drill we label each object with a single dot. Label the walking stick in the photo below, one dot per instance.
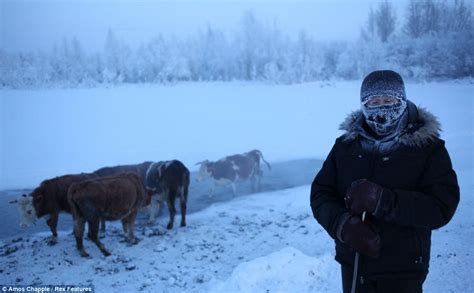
(356, 265)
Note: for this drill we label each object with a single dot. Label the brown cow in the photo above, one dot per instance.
(141, 170)
(110, 198)
(231, 169)
(50, 198)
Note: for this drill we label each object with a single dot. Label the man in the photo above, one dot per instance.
(385, 185)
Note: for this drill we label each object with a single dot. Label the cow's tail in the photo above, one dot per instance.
(259, 153)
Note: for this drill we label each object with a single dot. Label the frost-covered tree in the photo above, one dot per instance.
(210, 59)
(436, 41)
(369, 32)
(385, 20)
(431, 11)
(457, 17)
(249, 45)
(116, 55)
(151, 59)
(306, 62)
(414, 19)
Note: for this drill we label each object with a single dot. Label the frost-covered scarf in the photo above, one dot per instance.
(384, 120)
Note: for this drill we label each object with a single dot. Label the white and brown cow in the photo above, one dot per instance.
(170, 180)
(235, 168)
(49, 199)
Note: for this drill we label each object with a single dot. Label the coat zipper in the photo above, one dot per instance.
(372, 178)
(373, 160)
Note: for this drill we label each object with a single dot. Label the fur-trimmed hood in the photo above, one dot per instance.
(423, 127)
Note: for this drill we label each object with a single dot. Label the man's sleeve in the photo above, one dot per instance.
(327, 209)
(433, 205)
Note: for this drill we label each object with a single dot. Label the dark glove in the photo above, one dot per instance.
(363, 195)
(361, 236)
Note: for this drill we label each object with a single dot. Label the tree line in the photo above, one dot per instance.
(432, 40)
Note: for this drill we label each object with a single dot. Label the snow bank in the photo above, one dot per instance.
(287, 270)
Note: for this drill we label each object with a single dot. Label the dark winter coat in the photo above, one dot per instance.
(420, 194)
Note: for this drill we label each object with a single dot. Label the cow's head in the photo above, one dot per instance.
(27, 210)
(203, 170)
(40, 201)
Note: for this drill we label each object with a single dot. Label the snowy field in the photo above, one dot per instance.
(266, 242)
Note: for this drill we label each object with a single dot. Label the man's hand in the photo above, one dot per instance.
(361, 236)
(363, 195)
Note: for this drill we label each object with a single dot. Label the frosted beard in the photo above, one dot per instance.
(383, 120)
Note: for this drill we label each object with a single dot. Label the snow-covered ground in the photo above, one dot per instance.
(251, 243)
(199, 257)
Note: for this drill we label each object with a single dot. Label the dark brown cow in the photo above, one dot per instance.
(110, 198)
(50, 198)
(140, 170)
(232, 169)
(170, 179)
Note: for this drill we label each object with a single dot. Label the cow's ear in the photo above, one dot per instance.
(24, 195)
(13, 201)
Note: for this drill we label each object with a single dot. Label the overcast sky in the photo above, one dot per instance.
(39, 24)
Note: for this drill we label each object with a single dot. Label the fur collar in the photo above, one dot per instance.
(423, 127)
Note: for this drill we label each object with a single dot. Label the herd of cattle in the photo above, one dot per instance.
(117, 193)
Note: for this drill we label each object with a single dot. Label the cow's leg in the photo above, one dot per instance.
(124, 226)
(182, 201)
(259, 180)
(234, 188)
(79, 233)
(211, 193)
(252, 183)
(256, 182)
(94, 235)
(161, 203)
(102, 228)
(53, 224)
(129, 225)
(151, 211)
(101, 231)
(170, 199)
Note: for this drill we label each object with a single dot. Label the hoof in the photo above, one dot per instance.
(52, 241)
(133, 241)
(183, 224)
(106, 253)
(84, 253)
(150, 222)
(169, 227)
